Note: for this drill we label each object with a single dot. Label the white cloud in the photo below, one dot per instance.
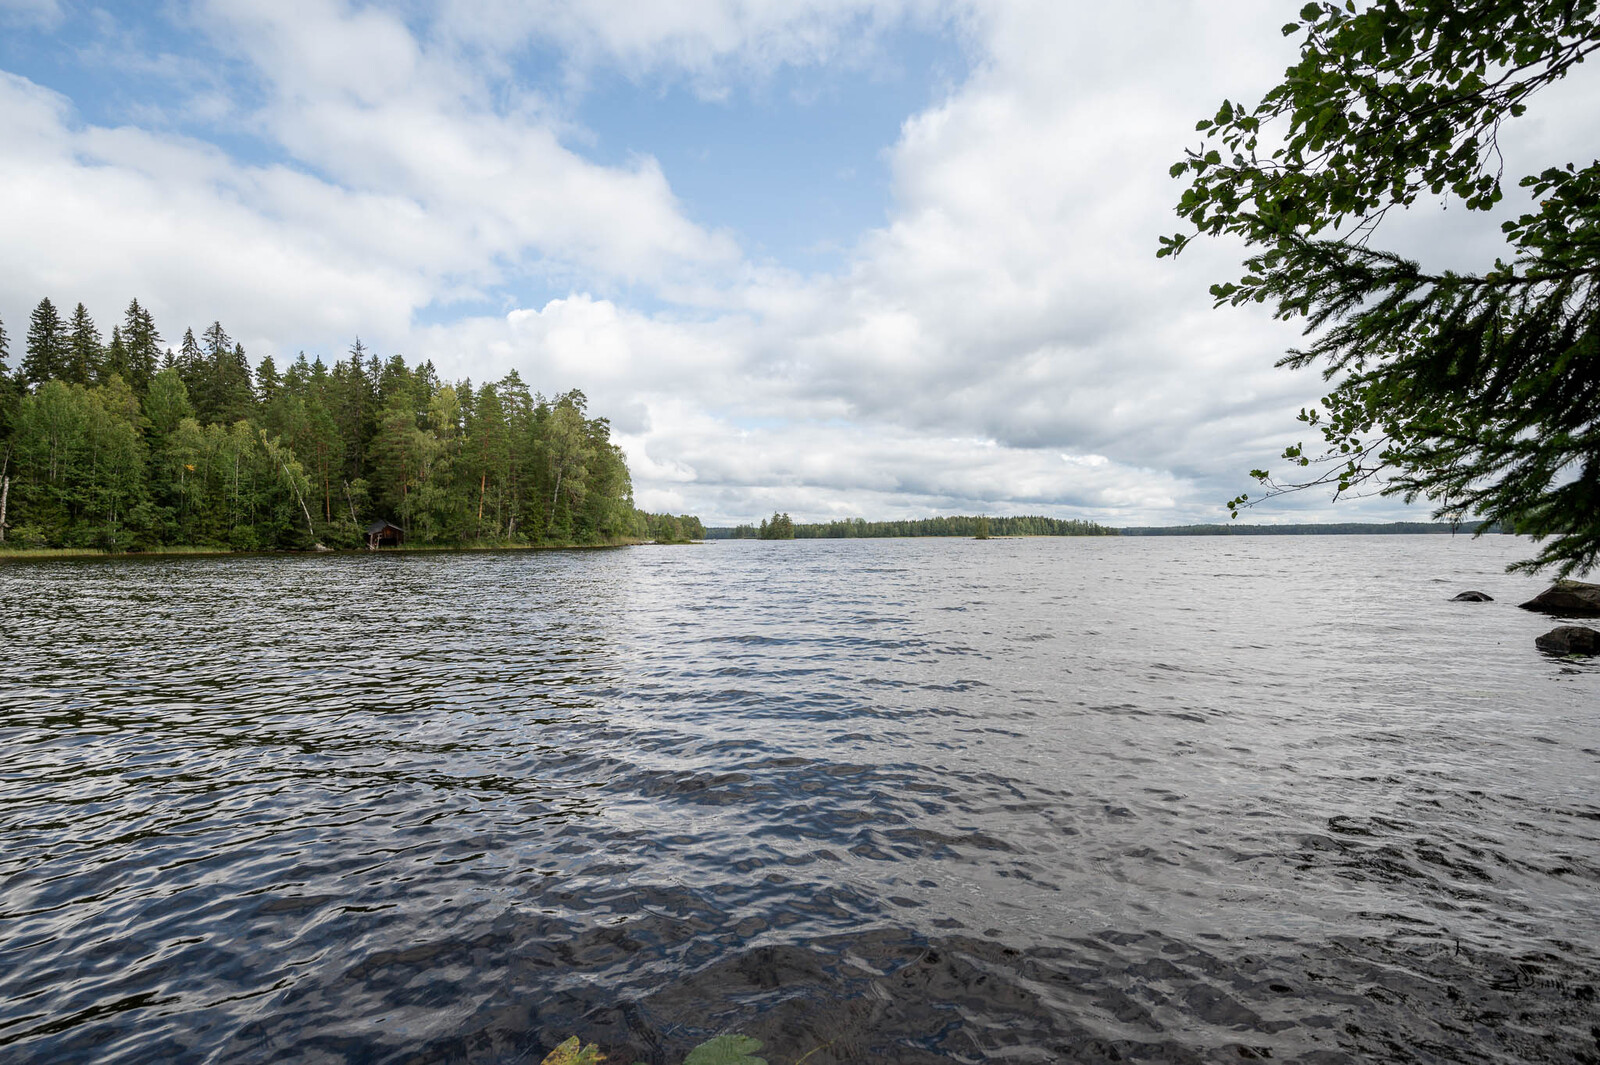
(42, 14)
(1005, 342)
(712, 44)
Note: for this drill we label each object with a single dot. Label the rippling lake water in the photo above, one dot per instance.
(873, 801)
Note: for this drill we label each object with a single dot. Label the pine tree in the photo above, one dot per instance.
(85, 350)
(5, 348)
(46, 356)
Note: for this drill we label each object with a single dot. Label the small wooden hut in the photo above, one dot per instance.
(384, 534)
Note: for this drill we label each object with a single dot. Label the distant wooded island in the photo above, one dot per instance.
(861, 529)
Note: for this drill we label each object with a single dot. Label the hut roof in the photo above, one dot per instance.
(378, 527)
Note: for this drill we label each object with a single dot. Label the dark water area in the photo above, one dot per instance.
(1168, 800)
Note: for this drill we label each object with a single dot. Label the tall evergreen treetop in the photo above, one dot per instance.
(216, 340)
(143, 343)
(46, 356)
(191, 361)
(85, 349)
(115, 363)
(267, 381)
(8, 396)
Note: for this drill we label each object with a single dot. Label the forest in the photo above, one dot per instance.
(122, 444)
(780, 527)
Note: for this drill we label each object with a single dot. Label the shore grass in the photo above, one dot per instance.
(8, 553)
(31, 554)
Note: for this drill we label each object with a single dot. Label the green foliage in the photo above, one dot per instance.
(723, 1050)
(726, 1050)
(1477, 391)
(672, 529)
(572, 1052)
(108, 451)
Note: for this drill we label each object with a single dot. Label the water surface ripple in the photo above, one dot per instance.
(1178, 800)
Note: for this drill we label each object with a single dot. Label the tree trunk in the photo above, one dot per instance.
(5, 492)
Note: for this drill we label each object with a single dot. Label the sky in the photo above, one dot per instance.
(878, 258)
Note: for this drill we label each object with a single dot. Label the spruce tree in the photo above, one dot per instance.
(191, 367)
(144, 346)
(115, 364)
(46, 355)
(235, 391)
(8, 401)
(223, 393)
(268, 383)
(85, 350)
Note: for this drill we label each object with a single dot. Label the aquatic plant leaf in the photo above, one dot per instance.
(726, 1050)
(573, 1052)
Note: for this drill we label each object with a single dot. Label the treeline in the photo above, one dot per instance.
(123, 444)
(860, 528)
(1346, 528)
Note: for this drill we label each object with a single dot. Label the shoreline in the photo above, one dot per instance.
(70, 554)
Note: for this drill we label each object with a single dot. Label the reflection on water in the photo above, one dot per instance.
(1082, 800)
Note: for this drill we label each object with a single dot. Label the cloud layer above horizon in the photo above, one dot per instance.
(834, 257)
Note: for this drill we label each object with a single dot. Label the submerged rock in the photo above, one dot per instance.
(1572, 598)
(1569, 640)
(1473, 597)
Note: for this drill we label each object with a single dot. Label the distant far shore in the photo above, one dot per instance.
(1345, 528)
(1012, 528)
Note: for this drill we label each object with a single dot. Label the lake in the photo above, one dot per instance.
(1141, 799)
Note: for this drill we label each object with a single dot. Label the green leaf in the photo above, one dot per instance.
(572, 1052)
(726, 1050)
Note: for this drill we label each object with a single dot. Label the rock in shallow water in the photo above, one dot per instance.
(1572, 598)
(1569, 640)
(1473, 597)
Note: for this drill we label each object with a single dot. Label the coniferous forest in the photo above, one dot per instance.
(129, 443)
